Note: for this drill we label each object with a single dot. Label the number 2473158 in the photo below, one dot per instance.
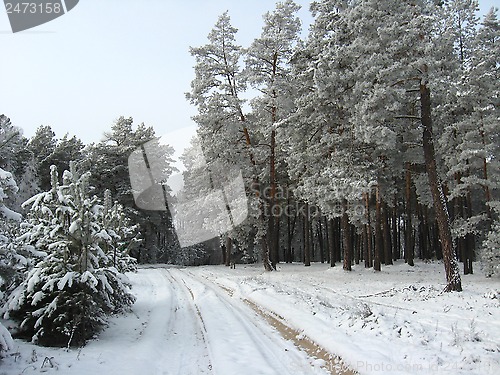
(33, 8)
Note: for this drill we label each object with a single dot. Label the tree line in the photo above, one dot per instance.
(383, 121)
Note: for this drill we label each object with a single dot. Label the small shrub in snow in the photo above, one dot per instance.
(66, 297)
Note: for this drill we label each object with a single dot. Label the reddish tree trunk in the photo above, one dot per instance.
(442, 216)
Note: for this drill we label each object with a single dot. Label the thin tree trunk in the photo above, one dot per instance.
(273, 219)
(409, 241)
(364, 240)
(470, 238)
(331, 241)
(395, 230)
(229, 248)
(386, 235)
(378, 240)
(288, 251)
(223, 250)
(321, 242)
(346, 237)
(442, 216)
(357, 245)
(307, 242)
(369, 234)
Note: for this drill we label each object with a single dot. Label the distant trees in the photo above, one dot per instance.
(108, 163)
(47, 150)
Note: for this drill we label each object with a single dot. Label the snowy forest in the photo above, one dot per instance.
(372, 139)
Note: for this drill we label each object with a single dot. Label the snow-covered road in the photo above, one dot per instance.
(181, 324)
(217, 320)
(238, 340)
(187, 325)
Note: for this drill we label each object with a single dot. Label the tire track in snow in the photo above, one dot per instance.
(195, 324)
(238, 337)
(161, 336)
(332, 363)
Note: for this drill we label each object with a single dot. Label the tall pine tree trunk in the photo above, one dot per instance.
(346, 234)
(442, 216)
(394, 230)
(369, 234)
(409, 241)
(256, 187)
(331, 241)
(307, 238)
(273, 223)
(228, 248)
(386, 235)
(378, 232)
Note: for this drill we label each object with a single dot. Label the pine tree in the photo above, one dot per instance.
(461, 135)
(42, 145)
(268, 70)
(485, 94)
(123, 237)
(108, 163)
(490, 252)
(6, 342)
(66, 297)
(224, 128)
(10, 261)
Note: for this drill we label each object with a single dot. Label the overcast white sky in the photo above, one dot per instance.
(111, 58)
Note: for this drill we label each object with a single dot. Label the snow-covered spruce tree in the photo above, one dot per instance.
(123, 237)
(8, 256)
(11, 262)
(42, 144)
(6, 342)
(66, 297)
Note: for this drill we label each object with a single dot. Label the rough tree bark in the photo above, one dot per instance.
(442, 216)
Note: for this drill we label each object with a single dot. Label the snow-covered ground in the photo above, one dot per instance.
(214, 319)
